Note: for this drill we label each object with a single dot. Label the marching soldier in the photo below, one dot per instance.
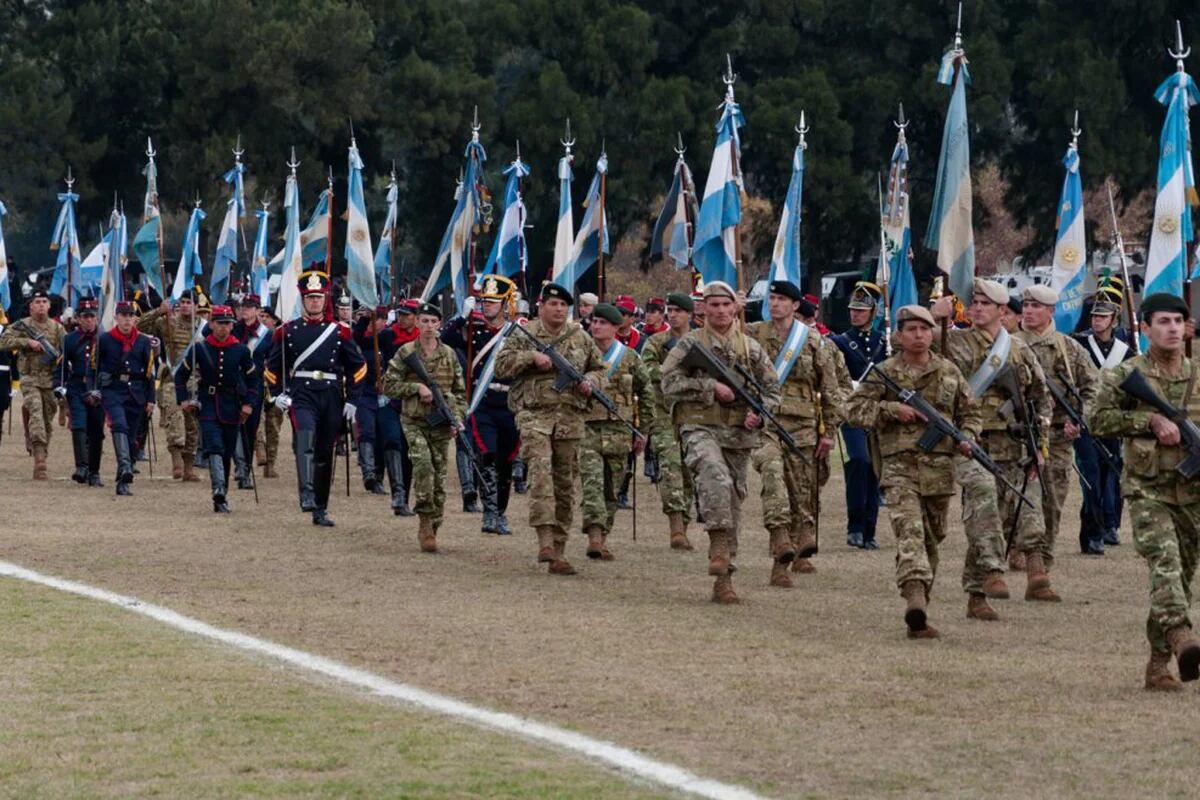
(252, 332)
(77, 383)
(309, 357)
(429, 444)
(228, 393)
(126, 366)
(655, 322)
(812, 396)
(491, 422)
(605, 448)
(918, 485)
(1164, 506)
(1065, 362)
(551, 422)
(718, 432)
(674, 479)
(404, 330)
(981, 352)
(176, 329)
(861, 346)
(39, 340)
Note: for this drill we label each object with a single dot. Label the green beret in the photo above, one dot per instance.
(1162, 301)
(608, 312)
(681, 300)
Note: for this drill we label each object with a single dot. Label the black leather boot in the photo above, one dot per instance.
(95, 447)
(124, 463)
(366, 460)
(394, 460)
(305, 469)
(216, 474)
(79, 445)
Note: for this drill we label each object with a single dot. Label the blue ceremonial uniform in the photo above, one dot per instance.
(77, 376)
(1105, 478)
(377, 418)
(125, 366)
(861, 349)
(228, 380)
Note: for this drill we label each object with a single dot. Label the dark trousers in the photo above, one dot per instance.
(1102, 507)
(862, 487)
(497, 440)
(85, 417)
(124, 413)
(321, 413)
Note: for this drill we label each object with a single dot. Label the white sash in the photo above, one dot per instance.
(612, 358)
(489, 369)
(992, 364)
(312, 348)
(1115, 356)
(792, 348)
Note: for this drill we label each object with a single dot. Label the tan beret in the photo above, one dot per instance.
(991, 290)
(587, 298)
(918, 313)
(1040, 293)
(719, 289)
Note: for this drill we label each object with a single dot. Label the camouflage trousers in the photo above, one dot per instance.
(674, 479)
(428, 449)
(1056, 476)
(42, 405)
(1168, 537)
(788, 496)
(268, 431)
(183, 430)
(719, 475)
(919, 524)
(602, 457)
(550, 449)
(981, 523)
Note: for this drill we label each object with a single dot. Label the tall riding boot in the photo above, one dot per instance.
(79, 445)
(124, 463)
(1037, 586)
(95, 450)
(366, 460)
(322, 479)
(216, 475)
(394, 460)
(491, 510)
(466, 479)
(305, 469)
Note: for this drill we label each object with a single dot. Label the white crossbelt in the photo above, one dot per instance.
(5, 368)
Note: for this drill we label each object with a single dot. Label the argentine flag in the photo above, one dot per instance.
(508, 256)
(360, 265)
(785, 258)
(896, 264)
(950, 232)
(190, 266)
(287, 303)
(259, 282)
(1070, 249)
(5, 296)
(593, 230)
(66, 241)
(226, 255)
(672, 232)
(112, 284)
(716, 230)
(452, 263)
(89, 273)
(146, 240)
(384, 254)
(564, 236)
(1167, 259)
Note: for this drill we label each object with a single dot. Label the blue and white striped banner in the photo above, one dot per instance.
(950, 232)
(383, 253)
(508, 256)
(593, 231)
(785, 258)
(1166, 262)
(564, 235)
(190, 265)
(452, 263)
(1070, 248)
(360, 262)
(897, 234)
(721, 211)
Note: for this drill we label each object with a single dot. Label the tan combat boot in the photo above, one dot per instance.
(718, 552)
(805, 545)
(269, 471)
(780, 577)
(594, 546)
(560, 565)
(39, 463)
(1016, 561)
(1186, 648)
(426, 535)
(1038, 585)
(914, 613)
(189, 468)
(1158, 673)
(545, 535)
(176, 465)
(679, 539)
(978, 608)
(995, 587)
(781, 545)
(260, 453)
(723, 593)
(804, 565)
(605, 553)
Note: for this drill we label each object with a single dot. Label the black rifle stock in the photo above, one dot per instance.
(442, 414)
(1059, 392)
(1025, 417)
(50, 353)
(1136, 386)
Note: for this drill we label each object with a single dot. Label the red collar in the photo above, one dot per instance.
(229, 341)
(126, 341)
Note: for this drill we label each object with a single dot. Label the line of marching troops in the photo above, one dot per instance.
(559, 397)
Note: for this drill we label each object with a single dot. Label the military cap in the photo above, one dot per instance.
(271, 313)
(203, 304)
(1162, 301)
(681, 300)
(812, 299)
(408, 306)
(39, 293)
(381, 312)
(718, 289)
(914, 313)
(430, 309)
(608, 312)
(1040, 293)
(125, 307)
(991, 290)
(786, 288)
(807, 309)
(313, 282)
(252, 300)
(345, 301)
(625, 304)
(865, 296)
(496, 287)
(222, 314)
(656, 304)
(1107, 301)
(588, 299)
(1112, 282)
(1015, 305)
(87, 306)
(553, 290)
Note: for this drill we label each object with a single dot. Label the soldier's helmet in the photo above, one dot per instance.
(865, 296)
(313, 281)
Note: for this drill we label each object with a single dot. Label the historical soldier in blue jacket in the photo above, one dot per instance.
(77, 381)
(126, 375)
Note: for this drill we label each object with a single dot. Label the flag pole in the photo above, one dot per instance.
(395, 288)
(600, 234)
(730, 78)
(329, 233)
(70, 181)
(887, 271)
(1127, 289)
(1179, 54)
(689, 223)
(523, 249)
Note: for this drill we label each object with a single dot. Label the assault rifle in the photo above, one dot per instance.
(940, 427)
(745, 387)
(442, 414)
(1024, 417)
(569, 376)
(50, 353)
(1136, 386)
(1059, 393)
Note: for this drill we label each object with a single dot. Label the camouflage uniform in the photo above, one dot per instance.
(183, 430)
(716, 444)
(427, 446)
(674, 481)
(812, 397)
(551, 423)
(1164, 506)
(988, 508)
(37, 376)
(916, 484)
(1064, 360)
(604, 450)
(268, 436)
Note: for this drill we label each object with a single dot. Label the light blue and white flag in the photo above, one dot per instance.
(785, 258)
(314, 238)
(896, 263)
(287, 302)
(89, 273)
(190, 265)
(66, 241)
(1070, 249)
(384, 254)
(716, 244)
(227, 242)
(360, 264)
(593, 230)
(5, 296)
(147, 242)
(260, 283)
(508, 256)
(672, 236)
(112, 286)
(1166, 263)
(453, 261)
(564, 236)
(950, 232)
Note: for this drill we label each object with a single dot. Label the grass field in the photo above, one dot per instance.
(809, 692)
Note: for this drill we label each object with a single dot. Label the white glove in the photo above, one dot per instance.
(468, 306)
(61, 391)
(283, 403)
(383, 400)
(67, 314)
(348, 412)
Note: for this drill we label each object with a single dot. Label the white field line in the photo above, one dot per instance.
(623, 759)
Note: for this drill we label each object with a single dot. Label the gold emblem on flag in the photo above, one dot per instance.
(359, 235)
(1070, 255)
(1168, 224)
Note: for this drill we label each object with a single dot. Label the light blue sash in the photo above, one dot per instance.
(792, 349)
